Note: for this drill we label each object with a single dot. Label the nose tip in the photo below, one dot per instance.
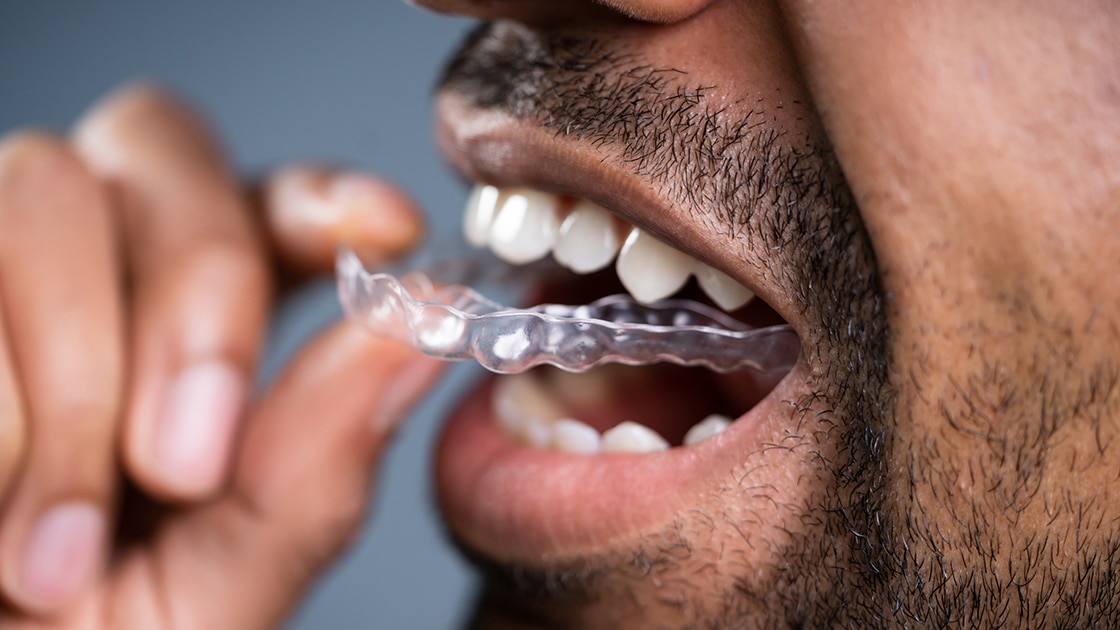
(521, 10)
(662, 11)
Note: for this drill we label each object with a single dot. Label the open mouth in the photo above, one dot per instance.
(637, 170)
(614, 409)
(549, 427)
(545, 465)
(548, 460)
(590, 405)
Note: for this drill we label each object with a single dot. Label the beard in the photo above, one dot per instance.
(752, 183)
(865, 552)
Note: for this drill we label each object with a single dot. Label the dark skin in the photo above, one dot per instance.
(954, 445)
(746, 168)
(927, 193)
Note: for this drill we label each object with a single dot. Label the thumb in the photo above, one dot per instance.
(301, 485)
(310, 211)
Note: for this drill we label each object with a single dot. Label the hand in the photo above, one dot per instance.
(144, 486)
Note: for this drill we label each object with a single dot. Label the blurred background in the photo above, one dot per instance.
(347, 82)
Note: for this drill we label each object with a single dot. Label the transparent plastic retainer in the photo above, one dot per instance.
(435, 311)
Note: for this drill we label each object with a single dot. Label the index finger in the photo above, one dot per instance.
(200, 283)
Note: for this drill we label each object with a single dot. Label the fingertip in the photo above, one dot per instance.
(132, 101)
(35, 160)
(410, 382)
(379, 218)
(312, 211)
(142, 116)
(354, 387)
(394, 374)
(345, 356)
(30, 143)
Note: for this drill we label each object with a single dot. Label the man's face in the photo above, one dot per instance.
(928, 195)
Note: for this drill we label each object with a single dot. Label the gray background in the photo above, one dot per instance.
(346, 81)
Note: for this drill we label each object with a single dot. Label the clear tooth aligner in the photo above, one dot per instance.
(453, 322)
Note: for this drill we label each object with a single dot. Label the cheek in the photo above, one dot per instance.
(987, 171)
(984, 163)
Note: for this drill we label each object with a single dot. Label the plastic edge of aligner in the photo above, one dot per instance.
(354, 282)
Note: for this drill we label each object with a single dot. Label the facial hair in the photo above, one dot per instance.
(864, 559)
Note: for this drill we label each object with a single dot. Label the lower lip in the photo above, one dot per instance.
(513, 502)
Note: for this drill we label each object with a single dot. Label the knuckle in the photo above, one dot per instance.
(139, 114)
(35, 155)
(142, 95)
(138, 99)
(40, 171)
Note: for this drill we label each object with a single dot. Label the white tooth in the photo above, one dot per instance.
(524, 410)
(588, 239)
(481, 207)
(524, 228)
(651, 270)
(535, 434)
(722, 288)
(706, 428)
(631, 437)
(573, 436)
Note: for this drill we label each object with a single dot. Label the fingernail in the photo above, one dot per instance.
(303, 196)
(373, 214)
(196, 429)
(61, 554)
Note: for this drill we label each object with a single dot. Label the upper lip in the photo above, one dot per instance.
(496, 148)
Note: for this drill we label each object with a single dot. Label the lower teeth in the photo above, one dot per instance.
(706, 428)
(525, 409)
(573, 436)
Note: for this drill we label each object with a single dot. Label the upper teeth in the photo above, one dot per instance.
(588, 239)
(651, 270)
(524, 227)
(521, 226)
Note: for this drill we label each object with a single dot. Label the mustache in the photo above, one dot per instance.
(582, 86)
(781, 194)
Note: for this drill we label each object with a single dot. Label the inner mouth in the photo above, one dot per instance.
(590, 405)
